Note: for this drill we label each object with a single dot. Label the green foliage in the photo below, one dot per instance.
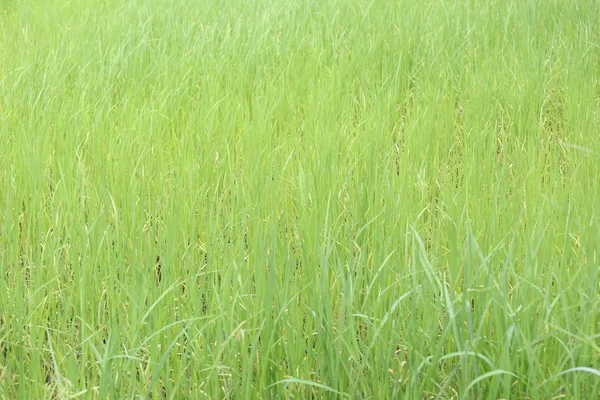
(299, 199)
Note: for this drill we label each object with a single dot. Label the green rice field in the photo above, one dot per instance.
(300, 199)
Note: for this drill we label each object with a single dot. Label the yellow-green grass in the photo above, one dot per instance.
(299, 199)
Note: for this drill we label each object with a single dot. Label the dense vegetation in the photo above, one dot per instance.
(299, 199)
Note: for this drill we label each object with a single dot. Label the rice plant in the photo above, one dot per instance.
(363, 199)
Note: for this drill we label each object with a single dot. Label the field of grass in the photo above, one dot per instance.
(300, 199)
